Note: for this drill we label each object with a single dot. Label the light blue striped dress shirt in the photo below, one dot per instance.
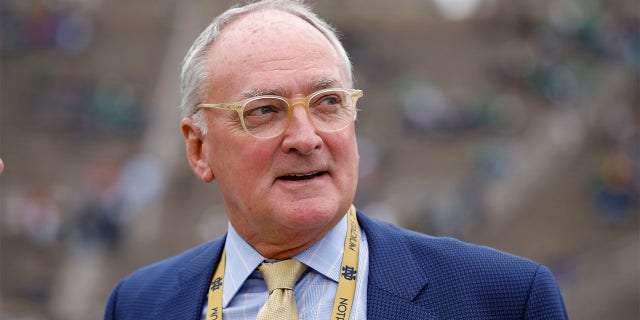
(244, 291)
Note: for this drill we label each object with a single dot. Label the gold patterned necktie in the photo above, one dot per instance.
(281, 278)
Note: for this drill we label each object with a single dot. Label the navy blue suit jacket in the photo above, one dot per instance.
(411, 276)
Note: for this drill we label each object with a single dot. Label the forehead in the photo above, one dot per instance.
(271, 50)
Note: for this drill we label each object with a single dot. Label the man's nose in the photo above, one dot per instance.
(300, 136)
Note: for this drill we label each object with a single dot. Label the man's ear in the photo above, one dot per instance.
(194, 141)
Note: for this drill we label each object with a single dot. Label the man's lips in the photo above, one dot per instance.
(302, 176)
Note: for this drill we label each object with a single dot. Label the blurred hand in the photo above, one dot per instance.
(1, 165)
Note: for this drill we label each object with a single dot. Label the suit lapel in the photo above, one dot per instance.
(187, 300)
(396, 278)
(382, 304)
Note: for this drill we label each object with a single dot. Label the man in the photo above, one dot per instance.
(268, 111)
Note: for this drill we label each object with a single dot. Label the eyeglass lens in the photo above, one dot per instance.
(329, 111)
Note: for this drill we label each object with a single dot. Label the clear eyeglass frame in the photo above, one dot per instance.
(239, 107)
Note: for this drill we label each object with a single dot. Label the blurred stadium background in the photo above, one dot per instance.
(512, 124)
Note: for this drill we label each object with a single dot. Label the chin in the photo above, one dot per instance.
(312, 214)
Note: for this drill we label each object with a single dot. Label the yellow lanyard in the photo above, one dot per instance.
(346, 285)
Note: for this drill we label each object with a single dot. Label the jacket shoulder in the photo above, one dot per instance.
(462, 279)
(145, 290)
(444, 252)
(172, 268)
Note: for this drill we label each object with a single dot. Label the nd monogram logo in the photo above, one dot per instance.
(349, 273)
(216, 284)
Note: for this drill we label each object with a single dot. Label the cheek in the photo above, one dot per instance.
(242, 158)
(345, 152)
(350, 144)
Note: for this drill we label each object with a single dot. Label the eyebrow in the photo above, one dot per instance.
(320, 84)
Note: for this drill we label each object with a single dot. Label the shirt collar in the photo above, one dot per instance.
(324, 256)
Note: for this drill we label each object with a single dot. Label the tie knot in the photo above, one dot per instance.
(282, 274)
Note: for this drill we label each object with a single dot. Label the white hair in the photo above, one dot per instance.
(195, 75)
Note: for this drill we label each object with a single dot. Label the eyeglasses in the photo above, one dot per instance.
(263, 117)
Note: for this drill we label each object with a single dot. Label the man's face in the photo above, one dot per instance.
(302, 181)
